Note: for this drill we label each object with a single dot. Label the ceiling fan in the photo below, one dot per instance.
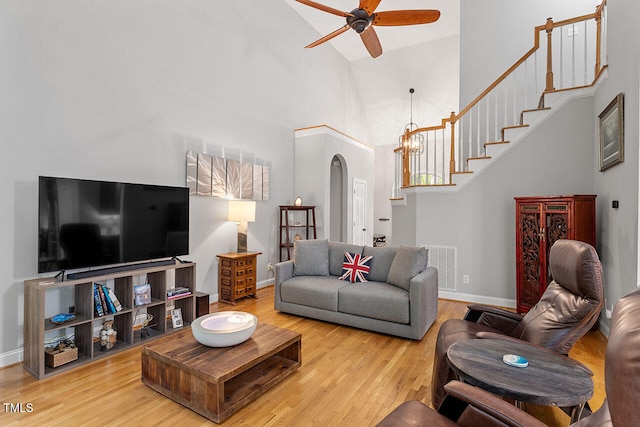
(363, 18)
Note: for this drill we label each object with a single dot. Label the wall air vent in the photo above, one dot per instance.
(444, 259)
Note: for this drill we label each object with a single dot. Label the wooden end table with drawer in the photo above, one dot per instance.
(237, 276)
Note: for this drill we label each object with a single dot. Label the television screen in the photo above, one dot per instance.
(84, 223)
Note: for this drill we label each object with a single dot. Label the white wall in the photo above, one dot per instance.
(120, 90)
(431, 68)
(384, 174)
(314, 150)
(494, 34)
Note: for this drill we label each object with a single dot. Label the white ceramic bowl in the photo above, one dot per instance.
(224, 329)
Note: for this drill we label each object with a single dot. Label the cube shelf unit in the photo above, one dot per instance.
(46, 297)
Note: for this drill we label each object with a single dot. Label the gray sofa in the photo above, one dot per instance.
(400, 297)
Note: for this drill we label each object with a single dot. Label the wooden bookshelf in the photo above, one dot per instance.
(45, 297)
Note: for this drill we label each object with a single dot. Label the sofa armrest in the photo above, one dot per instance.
(423, 301)
(283, 271)
(499, 319)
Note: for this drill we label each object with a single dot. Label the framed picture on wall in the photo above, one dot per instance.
(611, 130)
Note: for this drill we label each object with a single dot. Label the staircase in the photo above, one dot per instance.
(512, 135)
(465, 144)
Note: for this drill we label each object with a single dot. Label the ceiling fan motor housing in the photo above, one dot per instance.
(360, 20)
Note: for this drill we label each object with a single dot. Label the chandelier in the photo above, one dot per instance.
(414, 142)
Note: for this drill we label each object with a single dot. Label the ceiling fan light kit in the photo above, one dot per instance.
(364, 18)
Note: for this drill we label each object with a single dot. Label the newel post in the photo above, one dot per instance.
(452, 155)
(598, 39)
(549, 30)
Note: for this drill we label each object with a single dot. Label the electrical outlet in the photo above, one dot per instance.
(572, 31)
(72, 309)
(608, 309)
(465, 279)
(269, 267)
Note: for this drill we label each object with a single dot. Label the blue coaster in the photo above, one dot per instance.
(515, 360)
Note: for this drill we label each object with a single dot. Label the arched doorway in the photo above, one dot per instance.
(338, 200)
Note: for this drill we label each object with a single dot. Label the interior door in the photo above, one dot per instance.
(359, 212)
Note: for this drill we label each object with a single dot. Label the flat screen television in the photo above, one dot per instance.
(84, 223)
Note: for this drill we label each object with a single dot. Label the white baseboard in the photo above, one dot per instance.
(478, 299)
(266, 283)
(16, 356)
(11, 357)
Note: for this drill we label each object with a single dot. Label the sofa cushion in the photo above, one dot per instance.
(408, 262)
(376, 300)
(336, 255)
(355, 267)
(319, 292)
(381, 262)
(311, 258)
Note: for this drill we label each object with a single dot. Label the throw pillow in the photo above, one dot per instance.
(311, 258)
(382, 259)
(336, 255)
(355, 267)
(409, 261)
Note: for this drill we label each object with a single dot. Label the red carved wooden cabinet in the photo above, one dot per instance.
(540, 221)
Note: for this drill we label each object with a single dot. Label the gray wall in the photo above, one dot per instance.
(618, 228)
(314, 152)
(480, 219)
(120, 90)
(561, 156)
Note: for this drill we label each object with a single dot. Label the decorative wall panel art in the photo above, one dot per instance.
(226, 178)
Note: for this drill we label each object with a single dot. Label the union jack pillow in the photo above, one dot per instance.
(355, 267)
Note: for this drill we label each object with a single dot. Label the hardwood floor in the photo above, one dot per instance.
(348, 377)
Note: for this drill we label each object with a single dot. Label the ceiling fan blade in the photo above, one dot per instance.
(324, 8)
(371, 42)
(369, 5)
(405, 17)
(329, 36)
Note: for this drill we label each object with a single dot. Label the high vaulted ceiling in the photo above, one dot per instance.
(424, 57)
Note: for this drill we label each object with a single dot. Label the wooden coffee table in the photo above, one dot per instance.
(217, 382)
(550, 379)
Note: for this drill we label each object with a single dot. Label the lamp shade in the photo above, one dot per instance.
(242, 211)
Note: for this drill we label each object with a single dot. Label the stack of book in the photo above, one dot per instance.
(105, 300)
(178, 292)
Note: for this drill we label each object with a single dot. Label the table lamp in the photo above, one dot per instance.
(242, 212)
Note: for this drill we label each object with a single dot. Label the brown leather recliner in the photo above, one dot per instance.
(469, 406)
(566, 311)
(621, 368)
(464, 405)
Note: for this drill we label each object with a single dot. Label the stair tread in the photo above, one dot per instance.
(515, 127)
(536, 109)
(496, 143)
